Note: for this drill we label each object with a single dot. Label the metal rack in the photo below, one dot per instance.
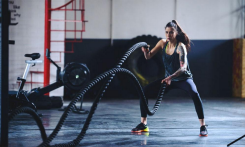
(75, 6)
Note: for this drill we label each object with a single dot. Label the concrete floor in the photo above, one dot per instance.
(175, 124)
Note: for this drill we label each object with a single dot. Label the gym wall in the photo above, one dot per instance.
(211, 25)
(29, 38)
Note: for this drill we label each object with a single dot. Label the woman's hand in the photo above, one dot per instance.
(167, 80)
(144, 50)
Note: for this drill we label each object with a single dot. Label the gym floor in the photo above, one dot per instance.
(174, 124)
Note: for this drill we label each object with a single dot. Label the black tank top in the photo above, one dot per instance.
(172, 64)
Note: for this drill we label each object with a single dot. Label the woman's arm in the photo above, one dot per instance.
(149, 54)
(181, 50)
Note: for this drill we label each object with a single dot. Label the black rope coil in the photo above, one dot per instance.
(100, 95)
(109, 75)
(33, 113)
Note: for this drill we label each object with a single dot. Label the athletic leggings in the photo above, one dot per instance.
(188, 85)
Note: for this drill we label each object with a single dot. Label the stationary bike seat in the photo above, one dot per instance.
(33, 55)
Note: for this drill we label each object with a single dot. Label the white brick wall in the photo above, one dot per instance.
(29, 38)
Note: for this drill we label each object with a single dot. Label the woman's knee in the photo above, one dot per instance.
(195, 96)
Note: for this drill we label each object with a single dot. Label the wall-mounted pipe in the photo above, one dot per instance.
(243, 19)
(111, 23)
(175, 9)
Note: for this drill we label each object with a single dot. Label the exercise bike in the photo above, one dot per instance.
(21, 97)
(74, 77)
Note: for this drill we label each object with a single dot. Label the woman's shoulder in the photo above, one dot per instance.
(164, 41)
(181, 44)
(161, 43)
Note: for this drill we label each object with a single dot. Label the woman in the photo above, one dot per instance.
(177, 71)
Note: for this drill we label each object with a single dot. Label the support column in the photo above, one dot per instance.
(238, 72)
(46, 73)
(4, 64)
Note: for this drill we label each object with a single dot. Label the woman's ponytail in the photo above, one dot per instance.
(182, 36)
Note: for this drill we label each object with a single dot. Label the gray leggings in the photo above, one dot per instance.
(188, 85)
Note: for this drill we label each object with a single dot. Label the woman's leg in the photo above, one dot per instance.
(151, 91)
(155, 86)
(189, 86)
(202, 122)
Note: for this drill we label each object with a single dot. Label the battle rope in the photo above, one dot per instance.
(33, 113)
(109, 79)
(109, 75)
(98, 98)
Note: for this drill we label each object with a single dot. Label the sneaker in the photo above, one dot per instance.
(141, 128)
(203, 131)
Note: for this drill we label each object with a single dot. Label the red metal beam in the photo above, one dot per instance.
(69, 10)
(69, 30)
(74, 41)
(66, 20)
(47, 29)
(61, 6)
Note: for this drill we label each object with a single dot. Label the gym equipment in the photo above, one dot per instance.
(108, 76)
(21, 96)
(74, 76)
(236, 140)
(36, 117)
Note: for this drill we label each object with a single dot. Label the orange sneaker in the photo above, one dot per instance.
(203, 131)
(141, 128)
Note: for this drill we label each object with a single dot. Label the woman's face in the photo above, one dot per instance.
(170, 33)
